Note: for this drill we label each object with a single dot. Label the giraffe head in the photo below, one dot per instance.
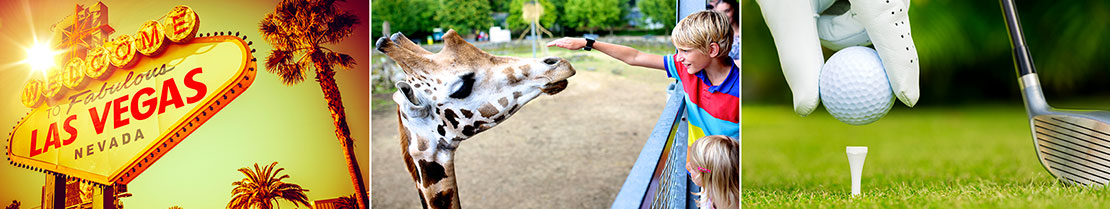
(462, 90)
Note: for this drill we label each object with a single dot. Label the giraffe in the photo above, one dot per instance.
(454, 94)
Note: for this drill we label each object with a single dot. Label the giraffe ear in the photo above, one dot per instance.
(409, 101)
(406, 91)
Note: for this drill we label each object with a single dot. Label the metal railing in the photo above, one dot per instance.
(658, 179)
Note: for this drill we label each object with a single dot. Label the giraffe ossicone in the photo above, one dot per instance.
(455, 94)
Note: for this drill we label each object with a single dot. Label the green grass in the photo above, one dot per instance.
(958, 157)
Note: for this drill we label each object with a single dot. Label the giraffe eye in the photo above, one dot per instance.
(461, 88)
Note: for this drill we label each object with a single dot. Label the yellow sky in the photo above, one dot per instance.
(268, 122)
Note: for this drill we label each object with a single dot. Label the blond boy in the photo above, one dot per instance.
(709, 77)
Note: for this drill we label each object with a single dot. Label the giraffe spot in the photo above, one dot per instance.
(511, 75)
(466, 113)
(487, 110)
(513, 108)
(441, 131)
(422, 145)
(468, 130)
(429, 91)
(478, 125)
(499, 119)
(444, 124)
(450, 115)
(525, 69)
(443, 199)
(516, 95)
(504, 101)
(417, 85)
(433, 172)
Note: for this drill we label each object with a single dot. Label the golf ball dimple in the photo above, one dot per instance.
(854, 86)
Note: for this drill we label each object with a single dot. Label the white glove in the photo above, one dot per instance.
(799, 32)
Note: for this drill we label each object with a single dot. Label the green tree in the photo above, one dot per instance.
(660, 11)
(262, 188)
(516, 12)
(411, 17)
(464, 16)
(298, 30)
(591, 15)
(499, 5)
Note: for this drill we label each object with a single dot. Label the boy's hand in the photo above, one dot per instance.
(568, 43)
(800, 29)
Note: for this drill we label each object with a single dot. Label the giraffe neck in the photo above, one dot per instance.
(435, 181)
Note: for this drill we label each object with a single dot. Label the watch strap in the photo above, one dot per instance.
(589, 44)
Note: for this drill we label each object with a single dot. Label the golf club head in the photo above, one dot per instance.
(1072, 145)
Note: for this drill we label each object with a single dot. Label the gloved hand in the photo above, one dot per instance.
(798, 25)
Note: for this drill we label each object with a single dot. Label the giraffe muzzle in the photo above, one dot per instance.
(555, 87)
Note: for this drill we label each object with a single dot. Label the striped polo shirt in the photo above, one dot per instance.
(710, 110)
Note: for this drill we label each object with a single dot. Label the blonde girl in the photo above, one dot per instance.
(713, 163)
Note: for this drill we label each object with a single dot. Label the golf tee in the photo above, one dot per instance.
(856, 156)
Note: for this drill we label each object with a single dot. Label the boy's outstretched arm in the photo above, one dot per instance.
(625, 54)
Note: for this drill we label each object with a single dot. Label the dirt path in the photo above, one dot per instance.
(571, 150)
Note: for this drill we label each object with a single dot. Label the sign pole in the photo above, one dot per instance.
(59, 200)
(109, 197)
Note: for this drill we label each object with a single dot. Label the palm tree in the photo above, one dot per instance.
(263, 187)
(347, 202)
(14, 205)
(298, 31)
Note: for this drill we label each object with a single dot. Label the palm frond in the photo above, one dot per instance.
(339, 27)
(281, 62)
(275, 31)
(344, 61)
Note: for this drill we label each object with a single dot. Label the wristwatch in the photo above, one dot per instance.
(589, 44)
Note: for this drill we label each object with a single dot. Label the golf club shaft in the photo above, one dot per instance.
(1022, 59)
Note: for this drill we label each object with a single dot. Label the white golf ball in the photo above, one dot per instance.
(854, 87)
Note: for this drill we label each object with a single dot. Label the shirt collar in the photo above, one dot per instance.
(726, 86)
